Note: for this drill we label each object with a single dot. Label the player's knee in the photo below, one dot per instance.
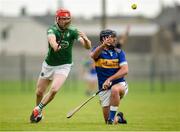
(114, 91)
(39, 92)
(54, 90)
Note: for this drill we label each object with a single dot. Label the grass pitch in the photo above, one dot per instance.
(144, 110)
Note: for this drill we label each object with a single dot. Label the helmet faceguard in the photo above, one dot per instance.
(63, 18)
(107, 33)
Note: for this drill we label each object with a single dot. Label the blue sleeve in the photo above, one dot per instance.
(122, 58)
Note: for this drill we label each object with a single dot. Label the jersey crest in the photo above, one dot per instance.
(64, 44)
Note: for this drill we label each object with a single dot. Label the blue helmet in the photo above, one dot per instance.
(106, 33)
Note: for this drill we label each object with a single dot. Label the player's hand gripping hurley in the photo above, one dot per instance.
(71, 113)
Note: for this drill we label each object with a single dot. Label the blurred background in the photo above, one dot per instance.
(153, 47)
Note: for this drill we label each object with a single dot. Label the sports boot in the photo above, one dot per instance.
(36, 115)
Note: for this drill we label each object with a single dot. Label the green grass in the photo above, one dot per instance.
(143, 109)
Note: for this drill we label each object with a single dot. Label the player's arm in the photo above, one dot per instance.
(124, 37)
(95, 54)
(119, 74)
(84, 40)
(53, 43)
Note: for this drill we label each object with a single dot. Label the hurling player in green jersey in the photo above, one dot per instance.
(58, 61)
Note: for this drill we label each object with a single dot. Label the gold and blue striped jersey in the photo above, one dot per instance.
(108, 63)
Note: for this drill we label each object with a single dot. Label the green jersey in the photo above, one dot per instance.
(66, 39)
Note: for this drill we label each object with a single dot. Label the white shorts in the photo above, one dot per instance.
(105, 95)
(47, 71)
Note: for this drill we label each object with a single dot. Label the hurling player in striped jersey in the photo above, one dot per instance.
(111, 67)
